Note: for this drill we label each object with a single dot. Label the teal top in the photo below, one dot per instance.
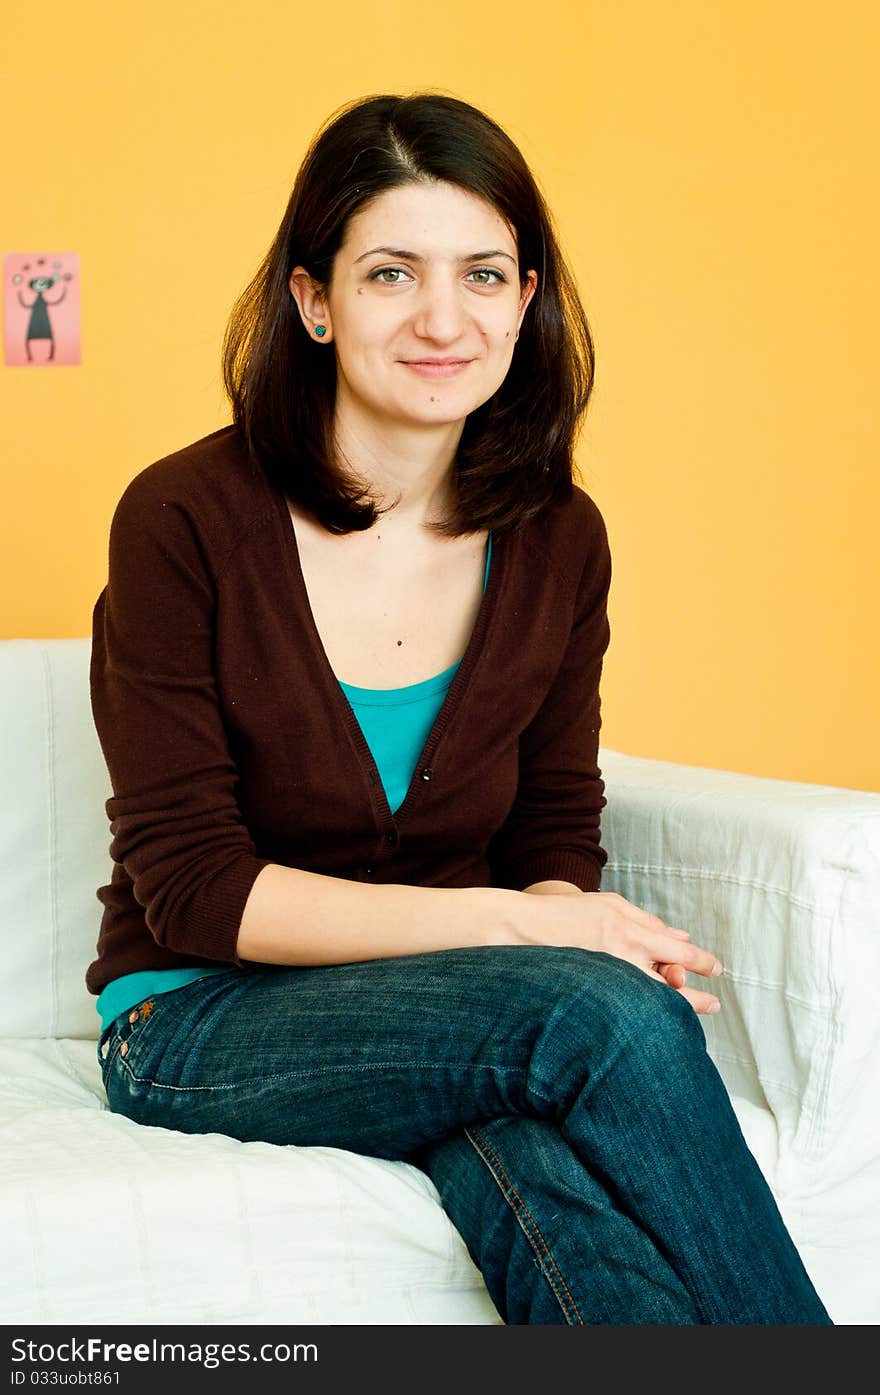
(396, 723)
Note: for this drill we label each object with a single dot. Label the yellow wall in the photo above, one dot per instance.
(712, 169)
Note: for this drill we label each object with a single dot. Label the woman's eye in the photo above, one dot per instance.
(395, 271)
(487, 274)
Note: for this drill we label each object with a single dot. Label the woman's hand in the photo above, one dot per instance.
(603, 920)
(676, 976)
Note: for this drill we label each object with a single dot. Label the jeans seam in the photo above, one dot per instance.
(526, 1220)
(114, 1056)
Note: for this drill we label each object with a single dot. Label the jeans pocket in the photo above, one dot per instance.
(125, 1033)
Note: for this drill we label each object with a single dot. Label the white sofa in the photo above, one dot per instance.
(781, 879)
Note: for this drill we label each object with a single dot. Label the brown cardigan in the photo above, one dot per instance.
(231, 745)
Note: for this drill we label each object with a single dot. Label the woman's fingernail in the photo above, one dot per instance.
(714, 1006)
(717, 968)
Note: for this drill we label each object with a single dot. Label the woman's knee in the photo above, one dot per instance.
(608, 1014)
(592, 988)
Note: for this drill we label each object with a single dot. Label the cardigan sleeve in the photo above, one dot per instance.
(177, 829)
(552, 832)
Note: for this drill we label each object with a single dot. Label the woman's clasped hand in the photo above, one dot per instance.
(606, 921)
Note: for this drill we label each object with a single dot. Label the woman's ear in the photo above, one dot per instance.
(313, 308)
(527, 293)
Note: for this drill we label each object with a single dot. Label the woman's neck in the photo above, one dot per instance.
(408, 462)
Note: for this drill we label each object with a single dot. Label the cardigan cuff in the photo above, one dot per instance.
(213, 916)
(557, 865)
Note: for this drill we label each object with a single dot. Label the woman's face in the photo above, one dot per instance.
(423, 307)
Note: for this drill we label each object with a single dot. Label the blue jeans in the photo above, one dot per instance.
(563, 1103)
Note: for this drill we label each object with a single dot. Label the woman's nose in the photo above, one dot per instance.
(440, 313)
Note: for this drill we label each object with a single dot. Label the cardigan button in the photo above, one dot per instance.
(427, 773)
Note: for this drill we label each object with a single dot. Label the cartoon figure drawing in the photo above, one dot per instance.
(39, 323)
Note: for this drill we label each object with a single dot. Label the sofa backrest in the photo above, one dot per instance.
(54, 838)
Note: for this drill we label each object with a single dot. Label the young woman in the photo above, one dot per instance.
(345, 673)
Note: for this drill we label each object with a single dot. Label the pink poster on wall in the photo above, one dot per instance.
(41, 308)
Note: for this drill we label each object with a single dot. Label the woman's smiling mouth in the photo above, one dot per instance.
(436, 367)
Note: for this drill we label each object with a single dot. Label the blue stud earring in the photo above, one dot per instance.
(320, 330)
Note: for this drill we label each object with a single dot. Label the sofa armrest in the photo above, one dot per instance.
(782, 881)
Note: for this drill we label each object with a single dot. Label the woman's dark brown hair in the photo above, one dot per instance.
(515, 453)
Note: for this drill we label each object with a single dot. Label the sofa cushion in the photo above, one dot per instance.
(92, 1208)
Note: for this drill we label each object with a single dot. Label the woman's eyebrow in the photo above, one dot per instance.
(414, 256)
